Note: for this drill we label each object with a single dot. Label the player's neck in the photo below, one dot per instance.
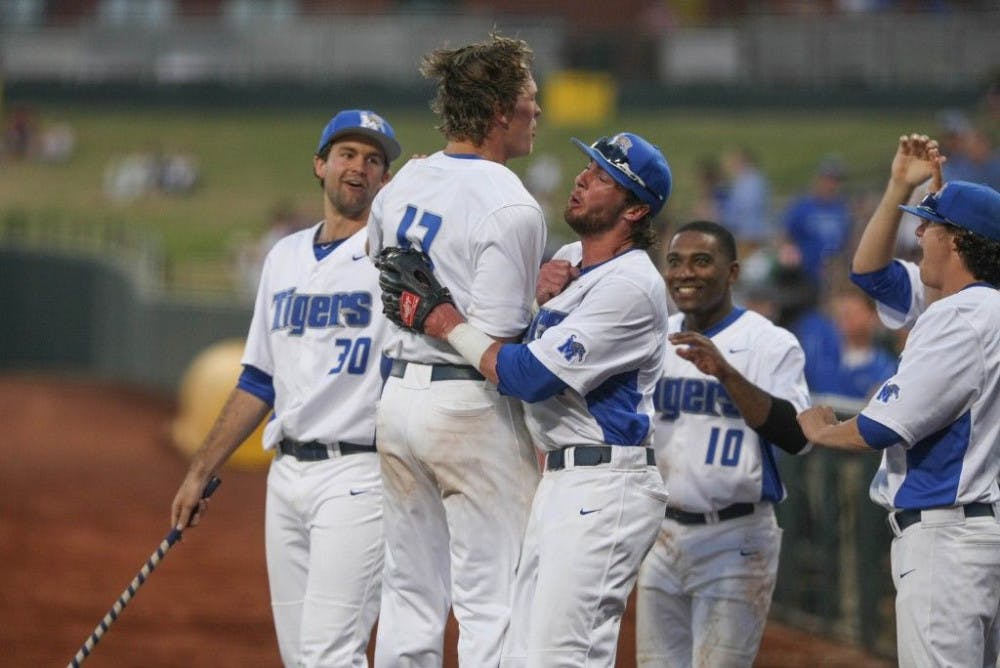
(337, 226)
(488, 150)
(601, 248)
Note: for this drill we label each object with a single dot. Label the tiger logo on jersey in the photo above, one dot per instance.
(571, 348)
(888, 391)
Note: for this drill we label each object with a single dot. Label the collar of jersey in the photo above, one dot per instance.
(725, 322)
(463, 156)
(610, 259)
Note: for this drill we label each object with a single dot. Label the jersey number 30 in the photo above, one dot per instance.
(732, 443)
(352, 354)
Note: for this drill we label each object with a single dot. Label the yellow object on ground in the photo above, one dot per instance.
(204, 388)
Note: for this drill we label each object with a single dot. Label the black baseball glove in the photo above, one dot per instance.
(409, 290)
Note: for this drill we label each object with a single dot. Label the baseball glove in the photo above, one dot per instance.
(409, 290)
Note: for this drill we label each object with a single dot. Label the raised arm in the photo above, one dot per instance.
(917, 159)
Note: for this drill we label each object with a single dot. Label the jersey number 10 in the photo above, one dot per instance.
(732, 443)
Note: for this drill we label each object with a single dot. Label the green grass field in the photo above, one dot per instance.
(249, 162)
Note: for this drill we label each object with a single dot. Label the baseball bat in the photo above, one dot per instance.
(140, 578)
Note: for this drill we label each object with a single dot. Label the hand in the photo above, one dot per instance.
(814, 420)
(409, 289)
(553, 278)
(701, 352)
(918, 158)
(189, 503)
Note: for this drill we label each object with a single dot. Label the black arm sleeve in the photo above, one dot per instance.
(782, 428)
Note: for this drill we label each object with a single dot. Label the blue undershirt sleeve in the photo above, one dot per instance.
(256, 382)
(889, 285)
(877, 435)
(523, 376)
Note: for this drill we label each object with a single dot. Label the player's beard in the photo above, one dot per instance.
(591, 221)
(349, 203)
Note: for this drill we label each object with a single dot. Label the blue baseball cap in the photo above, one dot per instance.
(635, 164)
(365, 123)
(971, 206)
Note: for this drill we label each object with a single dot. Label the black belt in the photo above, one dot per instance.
(314, 451)
(587, 455)
(440, 371)
(906, 518)
(727, 513)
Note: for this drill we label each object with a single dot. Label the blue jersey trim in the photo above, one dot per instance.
(464, 156)
(876, 434)
(322, 250)
(934, 466)
(771, 488)
(889, 285)
(610, 259)
(722, 324)
(523, 376)
(254, 381)
(614, 404)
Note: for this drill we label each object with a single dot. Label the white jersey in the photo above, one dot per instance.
(603, 337)
(900, 296)
(707, 454)
(947, 411)
(317, 330)
(485, 235)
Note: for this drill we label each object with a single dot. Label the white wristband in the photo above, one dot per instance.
(469, 342)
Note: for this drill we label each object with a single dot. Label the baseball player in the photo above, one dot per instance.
(730, 387)
(937, 423)
(313, 356)
(895, 284)
(459, 470)
(586, 370)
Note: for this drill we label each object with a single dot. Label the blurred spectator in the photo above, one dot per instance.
(975, 159)
(746, 205)
(283, 219)
(819, 223)
(789, 298)
(56, 143)
(710, 190)
(138, 174)
(19, 133)
(865, 362)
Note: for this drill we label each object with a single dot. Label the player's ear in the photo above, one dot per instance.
(734, 271)
(319, 167)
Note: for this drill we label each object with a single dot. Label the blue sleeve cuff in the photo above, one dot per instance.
(523, 376)
(256, 382)
(889, 285)
(877, 435)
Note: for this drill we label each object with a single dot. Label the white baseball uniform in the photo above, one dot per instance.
(458, 466)
(705, 588)
(589, 367)
(938, 421)
(317, 332)
(899, 294)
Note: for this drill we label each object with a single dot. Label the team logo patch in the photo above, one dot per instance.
(888, 391)
(408, 303)
(372, 121)
(572, 348)
(622, 142)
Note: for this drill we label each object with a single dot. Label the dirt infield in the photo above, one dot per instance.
(86, 480)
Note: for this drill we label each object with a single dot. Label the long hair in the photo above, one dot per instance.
(981, 255)
(476, 81)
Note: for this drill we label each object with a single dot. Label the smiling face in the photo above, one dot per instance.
(352, 173)
(700, 276)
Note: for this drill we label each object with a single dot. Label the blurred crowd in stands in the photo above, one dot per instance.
(795, 260)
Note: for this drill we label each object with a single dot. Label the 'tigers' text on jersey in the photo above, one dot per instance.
(297, 312)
